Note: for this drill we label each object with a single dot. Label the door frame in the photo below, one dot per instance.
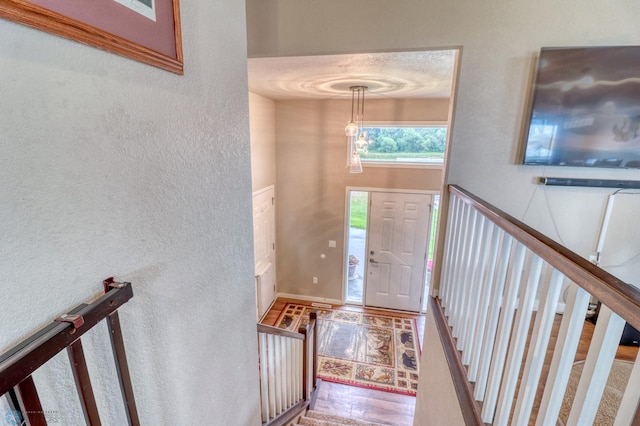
(345, 244)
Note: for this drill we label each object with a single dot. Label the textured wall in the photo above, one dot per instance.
(499, 44)
(112, 167)
(436, 402)
(262, 112)
(312, 179)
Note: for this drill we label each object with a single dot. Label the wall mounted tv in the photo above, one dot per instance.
(586, 108)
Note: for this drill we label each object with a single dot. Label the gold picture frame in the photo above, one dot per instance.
(109, 25)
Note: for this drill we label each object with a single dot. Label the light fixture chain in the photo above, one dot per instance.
(354, 130)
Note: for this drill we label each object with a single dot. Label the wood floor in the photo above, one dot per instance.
(627, 353)
(394, 409)
(354, 402)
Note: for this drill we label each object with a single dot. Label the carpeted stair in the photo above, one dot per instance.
(314, 418)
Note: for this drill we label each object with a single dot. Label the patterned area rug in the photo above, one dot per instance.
(611, 398)
(379, 351)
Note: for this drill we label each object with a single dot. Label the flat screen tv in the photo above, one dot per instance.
(586, 108)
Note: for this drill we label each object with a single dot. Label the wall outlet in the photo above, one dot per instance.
(315, 280)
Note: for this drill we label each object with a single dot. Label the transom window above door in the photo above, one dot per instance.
(404, 145)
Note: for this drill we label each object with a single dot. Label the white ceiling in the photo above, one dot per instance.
(423, 74)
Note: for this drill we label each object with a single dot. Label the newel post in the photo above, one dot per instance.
(309, 355)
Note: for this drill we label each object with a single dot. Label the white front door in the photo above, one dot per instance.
(264, 247)
(397, 249)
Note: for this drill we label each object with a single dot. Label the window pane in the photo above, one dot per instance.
(418, 145)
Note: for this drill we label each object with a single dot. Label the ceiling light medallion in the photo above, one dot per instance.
(353, 130)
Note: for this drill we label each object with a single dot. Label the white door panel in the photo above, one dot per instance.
(397, 248)
(264, 234)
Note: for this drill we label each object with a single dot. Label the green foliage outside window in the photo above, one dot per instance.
(359, 203)
(406, 144)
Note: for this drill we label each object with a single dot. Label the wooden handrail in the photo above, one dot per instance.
(23, 359)
(468, 406)
(288, 416)
(19, 362)
(619, 296)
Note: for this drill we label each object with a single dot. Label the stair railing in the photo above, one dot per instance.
(499, 276)
(19, 362)
(288, 371)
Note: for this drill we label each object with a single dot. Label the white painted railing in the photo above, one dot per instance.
(287, 370)
(501, 283)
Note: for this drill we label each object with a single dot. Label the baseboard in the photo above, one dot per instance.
(310, 298)
(268, 309)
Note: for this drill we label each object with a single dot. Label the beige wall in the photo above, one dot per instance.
(499, 43)
(437, 392)
(112, 167)
(262, 119)
(312, 179)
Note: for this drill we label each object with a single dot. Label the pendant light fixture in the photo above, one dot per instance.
(353, 130)
(355, 166)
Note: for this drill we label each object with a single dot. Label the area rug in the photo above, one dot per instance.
(378, 351)
(614, 389)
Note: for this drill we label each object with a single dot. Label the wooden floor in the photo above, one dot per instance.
(394, 409)
(354, 402)
(627, 353)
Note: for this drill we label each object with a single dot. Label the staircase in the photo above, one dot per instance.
(315, 418)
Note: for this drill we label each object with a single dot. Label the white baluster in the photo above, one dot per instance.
(463, 281)
(489, 262)
(538, 344)
(499, 279)
(563, 355)
(629, 403)
(514, 279)
(478, 284)
(453, 222)
(597, 366)
(459, 254)
(283, 374)
(297, 371)
(290, 367)
(271, 356)
(264, 384)
(278, 374)
(518, 340)
(470, 280)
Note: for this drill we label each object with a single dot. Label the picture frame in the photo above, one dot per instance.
(147, 31)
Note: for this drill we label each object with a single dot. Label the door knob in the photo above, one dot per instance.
(372, 261)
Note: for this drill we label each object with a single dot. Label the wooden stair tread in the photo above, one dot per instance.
(315, 418)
